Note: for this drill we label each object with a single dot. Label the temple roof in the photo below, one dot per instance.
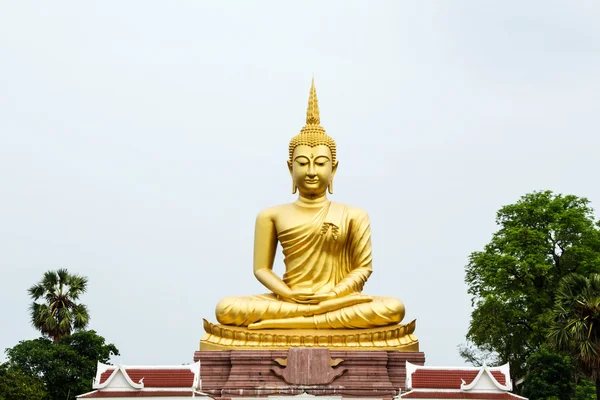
(166, 381)
(458, 382)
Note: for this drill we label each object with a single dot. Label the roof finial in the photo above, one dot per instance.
(312, 113)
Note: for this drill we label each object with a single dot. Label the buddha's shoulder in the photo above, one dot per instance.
(272, 212)
(353, 212)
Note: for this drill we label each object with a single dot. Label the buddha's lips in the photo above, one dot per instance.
(311, 181)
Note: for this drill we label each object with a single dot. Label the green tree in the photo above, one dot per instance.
(59, 314)
(549, 374)
(576, 323)
(66, 368)
(585, 390)
(542, 238)
(15, 385)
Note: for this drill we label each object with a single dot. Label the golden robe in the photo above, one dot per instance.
(331, 252)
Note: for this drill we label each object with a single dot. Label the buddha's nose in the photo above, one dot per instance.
(312, 171)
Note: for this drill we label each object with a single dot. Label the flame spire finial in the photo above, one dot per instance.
(312, 112)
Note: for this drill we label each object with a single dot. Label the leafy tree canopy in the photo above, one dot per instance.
(15, 385)
(549, 374)
(542, 238)
(585, 390)
(66, 368)
(554, 375)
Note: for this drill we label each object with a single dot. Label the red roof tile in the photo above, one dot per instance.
(499, 376)
(442, 378)
(158, 378)
(145, 393)
(424, 378)
(163, 378)
(458, 395)
(105, 375)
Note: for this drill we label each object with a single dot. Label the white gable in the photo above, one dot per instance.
(484, 383)
(120, 382)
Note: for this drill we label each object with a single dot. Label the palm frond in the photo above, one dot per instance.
(36, 291)
(77, 286)
(63, 276)
(50, 280)
(81, 316)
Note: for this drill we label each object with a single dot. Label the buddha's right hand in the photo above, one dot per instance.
(341, 302)
(301, 297)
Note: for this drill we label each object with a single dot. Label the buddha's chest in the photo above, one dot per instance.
(309, 225)
(295, 217)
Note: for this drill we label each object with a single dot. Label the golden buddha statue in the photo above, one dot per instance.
(327, 249)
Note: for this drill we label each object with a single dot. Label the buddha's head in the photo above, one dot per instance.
(312, 161)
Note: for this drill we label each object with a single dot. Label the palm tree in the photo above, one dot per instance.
(576, 324)
(59, 314)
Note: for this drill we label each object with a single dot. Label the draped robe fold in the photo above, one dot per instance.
(331, 252)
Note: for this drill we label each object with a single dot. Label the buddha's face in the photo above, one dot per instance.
(312, 169)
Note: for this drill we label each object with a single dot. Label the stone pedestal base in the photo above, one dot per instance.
(250, 373)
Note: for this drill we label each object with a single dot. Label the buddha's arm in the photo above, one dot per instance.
(265, 244)
(360, 249)
(353, 282)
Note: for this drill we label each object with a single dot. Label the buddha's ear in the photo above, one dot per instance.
(334, 168)
(294, 187)
(330, 184)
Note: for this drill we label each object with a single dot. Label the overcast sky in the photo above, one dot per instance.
(139, 139)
